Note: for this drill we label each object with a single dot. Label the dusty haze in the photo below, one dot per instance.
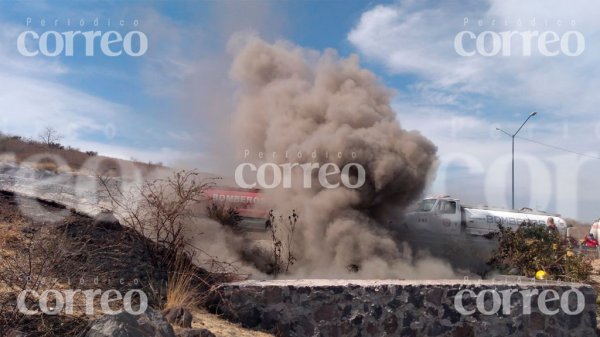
(295, 100)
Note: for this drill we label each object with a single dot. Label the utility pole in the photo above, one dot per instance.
(513, 154)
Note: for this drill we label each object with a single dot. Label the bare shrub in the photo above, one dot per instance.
(282, 239)
(159, 209)
(33, 268)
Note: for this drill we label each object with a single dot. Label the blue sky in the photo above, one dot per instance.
(169, 104)
(124, 80)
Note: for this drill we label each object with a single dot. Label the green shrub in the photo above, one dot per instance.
(536, 247)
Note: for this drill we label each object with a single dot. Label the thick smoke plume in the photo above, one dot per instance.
(294, 100)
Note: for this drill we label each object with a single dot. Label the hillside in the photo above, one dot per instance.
(77, 251)
(36, 152)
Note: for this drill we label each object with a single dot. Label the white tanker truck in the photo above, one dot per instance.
(447, 215)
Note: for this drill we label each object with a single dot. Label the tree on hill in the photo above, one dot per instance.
(50, 136)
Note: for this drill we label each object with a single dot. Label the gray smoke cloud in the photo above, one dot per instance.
(293, 100)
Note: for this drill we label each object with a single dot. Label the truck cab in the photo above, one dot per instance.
(440, 214)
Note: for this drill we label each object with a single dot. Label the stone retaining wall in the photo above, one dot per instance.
(402, 308)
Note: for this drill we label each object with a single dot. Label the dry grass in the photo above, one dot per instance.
(11, 223)
(25, 149)
(182, 287)
(10, 236)
(14, 148)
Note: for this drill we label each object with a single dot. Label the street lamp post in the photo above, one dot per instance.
(513, 154)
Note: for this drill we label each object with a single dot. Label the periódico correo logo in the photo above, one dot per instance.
(71, 42)
(53, 301)
(519, 37)
(490, 43)
(501, 301)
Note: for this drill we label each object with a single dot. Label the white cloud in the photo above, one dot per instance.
(411, 38)
(449, 96)
(29, 104)
(11, 62)
(32, 98)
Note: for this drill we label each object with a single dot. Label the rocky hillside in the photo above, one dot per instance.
(81, 252)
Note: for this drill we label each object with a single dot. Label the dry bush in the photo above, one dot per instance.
(33, 268)
(160, 210)
(225, 215)
(279, 257)
(282, 240)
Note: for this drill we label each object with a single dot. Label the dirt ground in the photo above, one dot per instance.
(221, 327)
